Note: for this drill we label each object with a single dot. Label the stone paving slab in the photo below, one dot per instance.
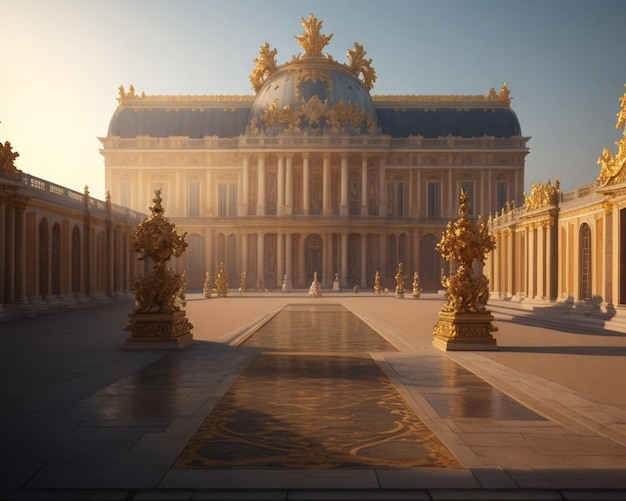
(74, 364)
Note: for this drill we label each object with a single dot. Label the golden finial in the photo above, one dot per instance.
(7, 160)
(361, 66)
(313, 42)
(265, 66)
(621, 115)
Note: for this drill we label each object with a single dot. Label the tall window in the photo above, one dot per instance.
(193, 200)
(501, 195)
(585, 261)
(433, 199)
(468, 188)
(226, 199)
(395, 199)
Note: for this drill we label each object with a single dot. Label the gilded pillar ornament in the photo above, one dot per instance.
(464, 322)
(158, 320)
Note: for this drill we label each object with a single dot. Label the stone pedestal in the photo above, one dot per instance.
(158, 331)
(465, 331)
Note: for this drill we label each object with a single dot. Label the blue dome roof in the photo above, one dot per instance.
(313, 93)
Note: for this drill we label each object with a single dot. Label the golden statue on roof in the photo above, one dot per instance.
(313, 42)
(613, 168)
(265, 66)
(361, 66)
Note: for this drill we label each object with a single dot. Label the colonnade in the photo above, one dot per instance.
(285, 185)
(60, 248)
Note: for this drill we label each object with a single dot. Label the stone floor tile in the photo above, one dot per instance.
(426, 478)
(270, 479)
(494, 495)
(493, 478)
(593, 495)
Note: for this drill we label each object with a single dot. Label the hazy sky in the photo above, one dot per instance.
(63, 61)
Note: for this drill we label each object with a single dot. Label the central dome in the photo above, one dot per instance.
(313, 93)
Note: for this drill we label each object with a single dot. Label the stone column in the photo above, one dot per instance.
(3, 238)
(280, 185)
(510, 263)
(245, 188)
(10, 255)
(260, 211)
(260, 257)
(289, 186)
(289, 260)
(363, 280)
(343, 273)
(306, 195)
(363, 186)
(541, 257)
(326, 186)
(532, 251)
(343, 206)
(244, 253)
(280, 257)
(382, 188)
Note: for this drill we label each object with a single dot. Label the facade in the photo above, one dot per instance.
(59, 248)
(312, 172)
(566, 247)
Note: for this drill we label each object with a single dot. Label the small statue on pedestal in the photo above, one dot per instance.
(336, 285)
(315, 290)
(416, 285)
(242, 282)
(399, 281)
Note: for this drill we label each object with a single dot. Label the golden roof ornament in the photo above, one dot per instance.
(265, 66)
(361, 66)
(7, 160)
(313, 42)
(542, 195)
(613, 168)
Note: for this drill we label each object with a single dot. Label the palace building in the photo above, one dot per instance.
(313, 172)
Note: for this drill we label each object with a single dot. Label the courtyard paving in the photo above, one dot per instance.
(543, 417)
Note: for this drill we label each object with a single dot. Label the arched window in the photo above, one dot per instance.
(585, 261)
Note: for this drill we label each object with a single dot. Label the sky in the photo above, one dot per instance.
(64, 60)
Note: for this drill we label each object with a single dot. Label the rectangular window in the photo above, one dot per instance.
(395, 199)
(468, 188)
(193, 200)
(227, 199)
(434, 199)
(501, 195)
